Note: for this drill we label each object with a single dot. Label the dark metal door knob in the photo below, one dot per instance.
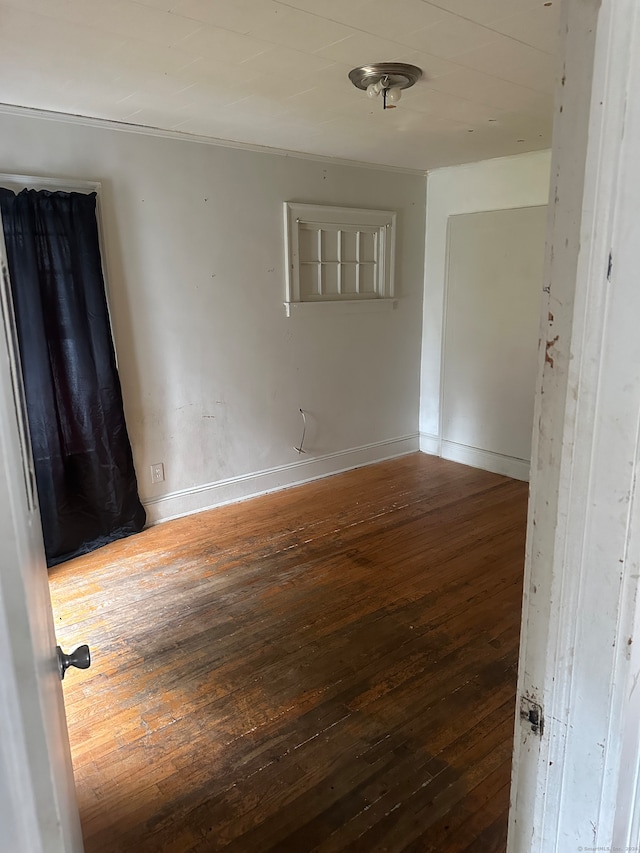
(81, 659)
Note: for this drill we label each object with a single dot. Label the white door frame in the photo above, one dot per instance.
(575, 784)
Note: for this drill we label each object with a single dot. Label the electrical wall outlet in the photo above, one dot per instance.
(157, 472)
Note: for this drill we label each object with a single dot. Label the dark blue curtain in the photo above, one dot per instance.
(87, 487)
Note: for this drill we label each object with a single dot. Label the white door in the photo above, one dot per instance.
(576, 777)
(494, 278)
(38, 809)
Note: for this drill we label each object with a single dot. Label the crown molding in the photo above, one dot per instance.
(145, 130)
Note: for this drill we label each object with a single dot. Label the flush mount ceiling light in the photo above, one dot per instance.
(388, 78)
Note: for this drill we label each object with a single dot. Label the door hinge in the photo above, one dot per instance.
(531, 713)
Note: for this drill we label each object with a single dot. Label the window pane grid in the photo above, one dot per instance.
(328, 275)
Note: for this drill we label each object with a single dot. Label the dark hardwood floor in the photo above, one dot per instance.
(328, 668)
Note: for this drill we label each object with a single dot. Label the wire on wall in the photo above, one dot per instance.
(304, 430)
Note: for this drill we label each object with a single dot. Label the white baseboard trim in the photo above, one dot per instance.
(210, 495)
(509, 466)
(430, 443)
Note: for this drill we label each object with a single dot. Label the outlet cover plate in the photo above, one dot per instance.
(157, 472)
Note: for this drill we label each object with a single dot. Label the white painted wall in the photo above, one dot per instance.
(492, 317)
(213, 372)
(505, 183)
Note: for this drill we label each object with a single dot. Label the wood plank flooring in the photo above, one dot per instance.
(329, 668)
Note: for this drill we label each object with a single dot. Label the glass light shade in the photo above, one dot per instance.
(394, 94)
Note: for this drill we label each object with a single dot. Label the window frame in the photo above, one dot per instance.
(313, 217)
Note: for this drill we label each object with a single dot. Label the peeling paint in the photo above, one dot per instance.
(547, 356)
(627, 650)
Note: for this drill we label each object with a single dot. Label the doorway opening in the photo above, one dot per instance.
(82, 459)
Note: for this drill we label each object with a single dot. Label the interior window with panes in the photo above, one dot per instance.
(338, 254)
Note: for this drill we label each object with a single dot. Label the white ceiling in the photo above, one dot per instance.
(274, 72)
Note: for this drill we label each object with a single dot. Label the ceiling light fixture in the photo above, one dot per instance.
(386, 78)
